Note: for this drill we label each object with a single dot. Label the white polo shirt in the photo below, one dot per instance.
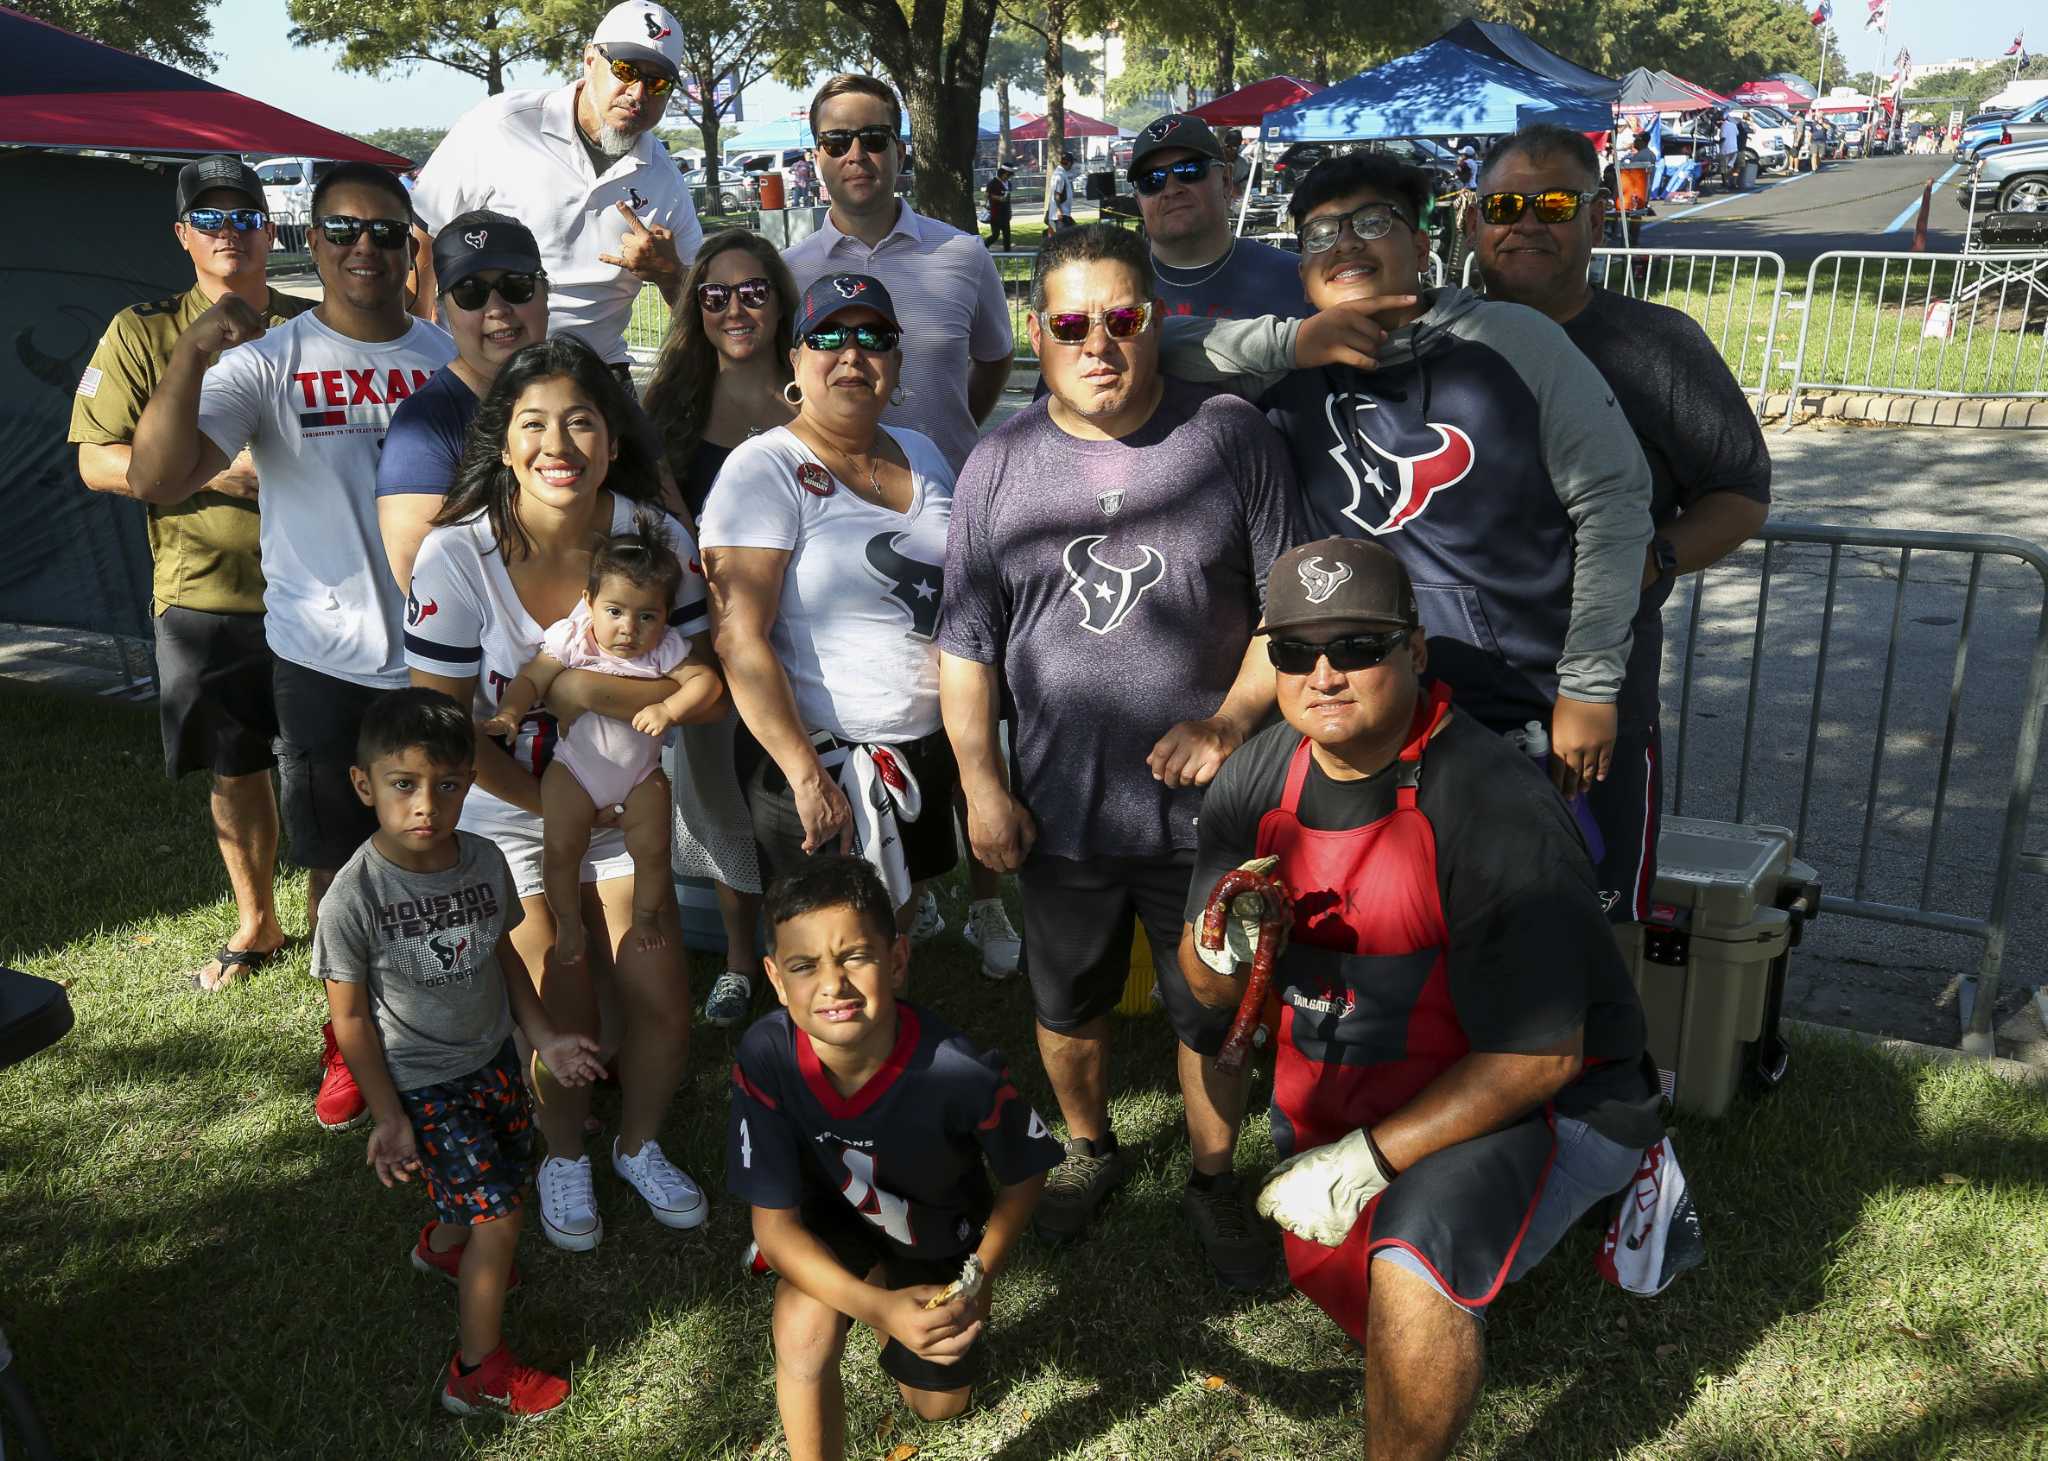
(949, 300)
(520, 153)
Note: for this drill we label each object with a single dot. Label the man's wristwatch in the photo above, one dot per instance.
(1665, 556)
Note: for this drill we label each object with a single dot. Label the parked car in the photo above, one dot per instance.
(2028, 124)
(737, 190)
(1771, 134)
(2009, 179)
(1853, 137)
(288, 185)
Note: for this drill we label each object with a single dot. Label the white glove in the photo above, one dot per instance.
(1319, 1194)
(1241, 928)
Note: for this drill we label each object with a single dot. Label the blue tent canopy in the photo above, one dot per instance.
(1441, 90)
(770, 137)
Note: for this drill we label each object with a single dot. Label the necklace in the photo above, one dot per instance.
(1214, 269)
(874, 485)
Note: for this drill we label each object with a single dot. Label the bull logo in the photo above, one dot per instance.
(850, 286)
(1108, 591)
(1321, 582)
(912, 582)
(1417, 479)
(656, 31)
(415, 611)
(476, 240)
(447, 950)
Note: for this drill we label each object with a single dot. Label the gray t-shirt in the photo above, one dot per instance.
(427, 945)
(1254, 279)
(1116, 585)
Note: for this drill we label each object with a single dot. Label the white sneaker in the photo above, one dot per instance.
(930, 923)
(988, 929)
(674, 1199)
(568, 1204)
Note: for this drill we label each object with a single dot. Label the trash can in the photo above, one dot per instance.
(1727, 908)
(1747, 176)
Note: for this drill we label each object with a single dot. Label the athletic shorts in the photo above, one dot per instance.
(477, 1141)
(1078, 917)
(318, 717)
(859, 1248)
(214, 693)
(930, 848)
(1626, 808)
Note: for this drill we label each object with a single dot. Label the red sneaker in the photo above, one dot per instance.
(447, 1265)
(501, 1385)
(339, 1104)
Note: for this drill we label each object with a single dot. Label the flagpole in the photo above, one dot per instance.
(1884, 43)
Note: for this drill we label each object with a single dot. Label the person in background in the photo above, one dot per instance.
(999, 204)
(206, 584)
(1059, 195)
(719, 383)
(1183, 180)
(582, 163)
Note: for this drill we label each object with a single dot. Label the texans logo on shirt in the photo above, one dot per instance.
(634, 200)
(912, 582)
(340, 391)
(415, 611)
(1109, 591)
(1416, 478)
(814, 479)
(447, 950)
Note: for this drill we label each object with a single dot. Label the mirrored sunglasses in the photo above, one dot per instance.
(386, 233)
(1121, 323)
(213, 220)
(1190, 170)
(874, 339)
(753, 294)
(626, 73)
(1554, 205)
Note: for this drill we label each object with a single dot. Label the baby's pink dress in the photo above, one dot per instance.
(608, 757)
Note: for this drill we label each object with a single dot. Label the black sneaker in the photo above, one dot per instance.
(1081, 1183)
(1231, 1237)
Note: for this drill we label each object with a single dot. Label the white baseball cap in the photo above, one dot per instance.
(644, 33)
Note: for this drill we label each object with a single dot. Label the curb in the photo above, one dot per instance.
(1995, 412)
(2018, 1072)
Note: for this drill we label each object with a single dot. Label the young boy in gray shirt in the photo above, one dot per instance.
(407, 944)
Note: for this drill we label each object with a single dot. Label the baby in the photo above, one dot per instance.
(619, 627)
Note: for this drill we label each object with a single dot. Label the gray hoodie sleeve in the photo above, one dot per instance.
(1596, 466)
(1245, 357)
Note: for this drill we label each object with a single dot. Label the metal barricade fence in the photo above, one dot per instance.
(1838, 629)
(1924, 325)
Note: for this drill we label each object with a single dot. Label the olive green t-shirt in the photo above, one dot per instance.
(204, 547)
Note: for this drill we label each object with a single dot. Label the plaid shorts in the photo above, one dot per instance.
(476, 1139)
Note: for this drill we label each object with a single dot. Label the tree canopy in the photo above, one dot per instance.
(175, 32)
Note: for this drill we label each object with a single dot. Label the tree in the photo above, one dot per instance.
(1051, 22)
(1013, 56)
(1718, 43)
(418, 143)
(175, 32)
(480, 38)
(1967, 89)
(934, 51)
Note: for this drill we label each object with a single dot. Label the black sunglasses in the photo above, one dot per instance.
(626, 73)
(753, 294)
(1190, 170)
(386, 233)
(874, 339)
(839, 141)
(1346, 653)
(1553, 205)
(514, 288)
(213, 220)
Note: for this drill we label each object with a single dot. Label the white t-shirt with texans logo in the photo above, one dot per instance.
(857, 625)
(312, 406)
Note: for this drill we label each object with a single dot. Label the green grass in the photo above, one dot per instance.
(193, 1269)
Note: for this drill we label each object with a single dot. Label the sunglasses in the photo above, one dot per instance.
(1553, 205)
(626, 74)
(1190, 170)
(1374, 220)
(753, 294)
(874, 339)
(386, 233)
(1121, 323)
(213, 220)
(475, 291)
(1347, 653)
(839, 141)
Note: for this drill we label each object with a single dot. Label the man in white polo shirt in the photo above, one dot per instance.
(581, 167)
(956, 324)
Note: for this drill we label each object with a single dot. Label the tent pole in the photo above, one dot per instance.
(1614, 161)
(1244, 204)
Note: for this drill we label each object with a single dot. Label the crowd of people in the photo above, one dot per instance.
(1280, 531)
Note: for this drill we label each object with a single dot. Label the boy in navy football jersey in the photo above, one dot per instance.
(859, 1131)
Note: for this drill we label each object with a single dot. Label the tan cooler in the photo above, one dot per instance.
(1726, 911)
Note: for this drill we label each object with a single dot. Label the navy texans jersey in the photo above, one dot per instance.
(906, 1151)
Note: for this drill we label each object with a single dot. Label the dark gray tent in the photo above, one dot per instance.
(1510, 44)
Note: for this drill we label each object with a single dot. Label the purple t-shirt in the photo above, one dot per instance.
(1115, 584)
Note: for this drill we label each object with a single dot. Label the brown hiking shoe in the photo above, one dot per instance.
(1080, 1184)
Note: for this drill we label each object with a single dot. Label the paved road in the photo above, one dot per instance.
(1870, 203)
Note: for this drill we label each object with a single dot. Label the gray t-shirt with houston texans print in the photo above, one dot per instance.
(1115, 584)
(427, 946)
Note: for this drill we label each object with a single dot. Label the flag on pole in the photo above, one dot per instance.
(1880, 15)
(2018, 47)
(1825, 11)
(1901, 71)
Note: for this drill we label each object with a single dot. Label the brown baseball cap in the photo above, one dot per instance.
(1338, 581)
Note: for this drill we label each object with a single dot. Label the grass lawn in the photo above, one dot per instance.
(192, 1268)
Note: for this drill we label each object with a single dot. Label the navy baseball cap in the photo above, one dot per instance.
(479, 240)
(221, 171)
(1177, 130)
(827, 296)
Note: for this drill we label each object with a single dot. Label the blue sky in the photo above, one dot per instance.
(258, 61)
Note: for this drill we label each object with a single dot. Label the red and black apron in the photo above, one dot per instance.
(1366, 1021)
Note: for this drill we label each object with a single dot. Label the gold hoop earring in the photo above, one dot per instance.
(793, 394)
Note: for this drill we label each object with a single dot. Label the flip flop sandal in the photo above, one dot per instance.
(249, 961)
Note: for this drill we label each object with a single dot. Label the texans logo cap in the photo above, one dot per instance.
(1178, 131)
(222, 171)
(643, 33)
(479, 240)
(1338, 581)
(826, 296)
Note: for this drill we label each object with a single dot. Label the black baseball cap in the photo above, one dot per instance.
(1338, 581)
(223, 170)
(1178, 130)
(825, 297)
(479, 240)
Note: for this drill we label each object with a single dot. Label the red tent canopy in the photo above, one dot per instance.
(1248, 105)
(62, 90)
(1772, 94)
(1079, 124)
